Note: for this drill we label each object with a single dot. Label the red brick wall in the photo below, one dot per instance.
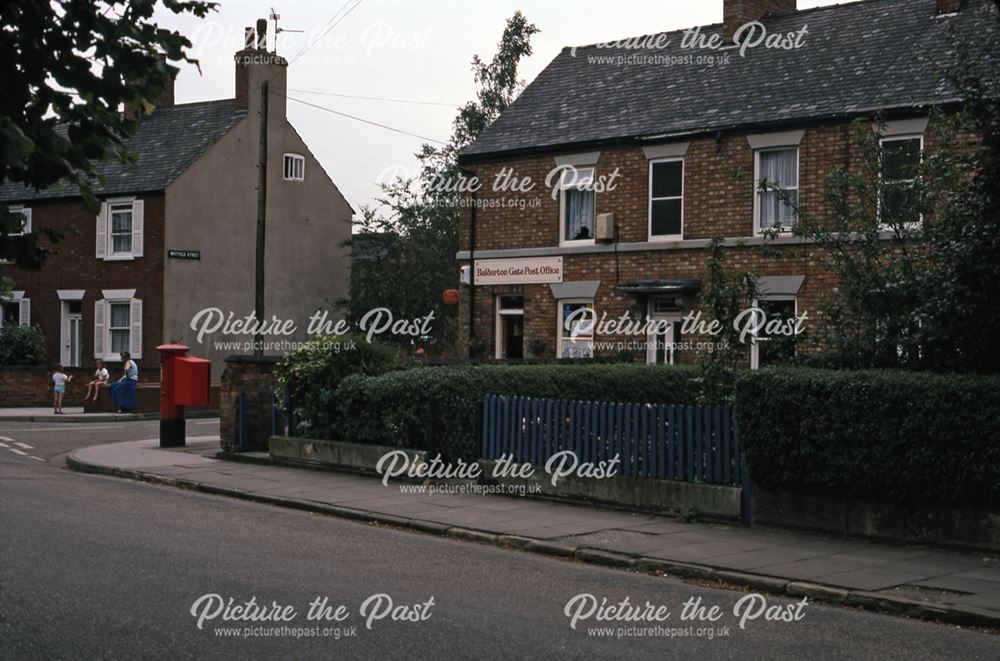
(73, 265)
(32, 385)
(718, 201)
(718, 190)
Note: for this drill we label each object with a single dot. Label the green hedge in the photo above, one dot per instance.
(913, 438)
(22, 345)
(311, 374)
(437, 408)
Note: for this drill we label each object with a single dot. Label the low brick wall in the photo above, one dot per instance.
(254, 376)
(333, 454)
(946, 526)
(148, 400)
(646, 494)
(31, 385)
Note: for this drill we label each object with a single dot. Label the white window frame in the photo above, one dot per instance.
(105, 240)
(563, 241)
(297, 161)
(23, 307)
(559, 324)
(754, 348)
(110, 331)
(757, 231)
(102, 324)
(649, 212)
(26, 224)
(881, 181)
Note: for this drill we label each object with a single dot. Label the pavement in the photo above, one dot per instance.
(957, 587)
(76, 414)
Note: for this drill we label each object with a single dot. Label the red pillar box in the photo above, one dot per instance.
(172, 430)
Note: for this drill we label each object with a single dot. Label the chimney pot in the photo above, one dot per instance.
(948, 6)
(262, 34)
(248, 37)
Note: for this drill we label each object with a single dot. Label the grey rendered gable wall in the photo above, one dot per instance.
(211, 208)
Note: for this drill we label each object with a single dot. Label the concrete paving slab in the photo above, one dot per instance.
(870, 578)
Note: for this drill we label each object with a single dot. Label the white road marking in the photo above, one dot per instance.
(16, 451)
(7, 438)
(24, 445)
(4, 446)
(35, 458)
(71, 427)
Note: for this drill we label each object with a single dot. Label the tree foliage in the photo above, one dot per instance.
(917, 255)
(725, 295)
(411, 235)
(22, 345)
(67, 69)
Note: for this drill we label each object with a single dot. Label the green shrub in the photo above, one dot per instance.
(912, 438)
(22, 345)
(312, 373)
(437, 408)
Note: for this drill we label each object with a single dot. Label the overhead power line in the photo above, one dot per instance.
(363, 120)
(379, 98)
(323, 27)
(327, 31)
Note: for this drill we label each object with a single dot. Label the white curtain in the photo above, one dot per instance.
(579, 214)
(778, 169)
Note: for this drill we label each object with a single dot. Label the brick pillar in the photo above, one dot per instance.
(254, 376)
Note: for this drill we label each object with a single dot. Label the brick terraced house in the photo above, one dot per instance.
(176, 232)
(685, 134)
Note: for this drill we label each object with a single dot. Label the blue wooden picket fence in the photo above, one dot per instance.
(694, 443)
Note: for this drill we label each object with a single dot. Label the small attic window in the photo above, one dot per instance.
(294, 167)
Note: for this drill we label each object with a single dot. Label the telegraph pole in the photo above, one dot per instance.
(258, 349)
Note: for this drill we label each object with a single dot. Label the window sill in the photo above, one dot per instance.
(759, 233)
(119, 258)
(665, 238)
(577, 242)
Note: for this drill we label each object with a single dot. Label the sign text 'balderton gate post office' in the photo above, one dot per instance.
(523, 271)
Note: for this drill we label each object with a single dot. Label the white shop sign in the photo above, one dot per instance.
(523, 271)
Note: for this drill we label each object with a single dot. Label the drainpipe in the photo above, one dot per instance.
(472, 264)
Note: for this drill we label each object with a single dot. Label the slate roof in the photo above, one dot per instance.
(166, 143)
(856, 58)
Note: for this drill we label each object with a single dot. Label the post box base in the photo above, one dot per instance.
(172, 433)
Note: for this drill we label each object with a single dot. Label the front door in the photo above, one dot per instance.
(510, 327)
(513, 336)
(72, 334)
(661, 343)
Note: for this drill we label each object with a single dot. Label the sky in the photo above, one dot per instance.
(413, 50)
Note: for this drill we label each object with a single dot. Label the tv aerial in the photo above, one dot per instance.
(274, 17)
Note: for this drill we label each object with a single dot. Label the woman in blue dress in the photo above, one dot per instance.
(123, 391)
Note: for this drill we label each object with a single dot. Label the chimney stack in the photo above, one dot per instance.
(255, 65)
(948, 6)
(736, 13)
(166, 98)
